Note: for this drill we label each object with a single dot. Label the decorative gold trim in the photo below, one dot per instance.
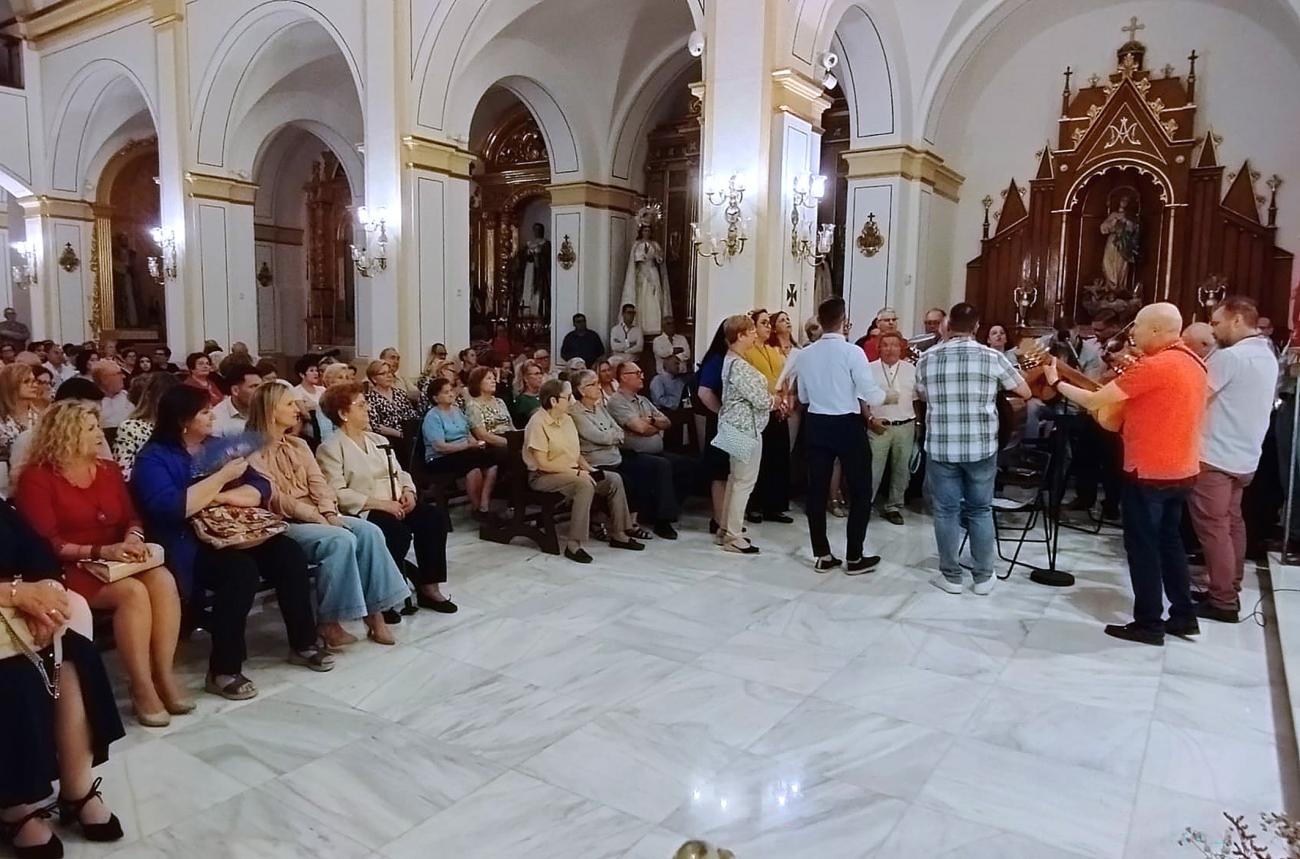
(421, 153)
(594, 195)
(67, 17)
(68, 259)
(799, 96)
(56, 207)
(101, 263)
(870, 240)
(567, 256)
(907, 162)
(221, 188)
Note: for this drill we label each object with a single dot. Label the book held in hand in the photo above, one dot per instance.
(112, 571)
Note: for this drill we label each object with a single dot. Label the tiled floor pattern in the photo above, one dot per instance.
(616, 709)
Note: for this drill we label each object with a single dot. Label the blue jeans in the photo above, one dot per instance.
(355, 575)
(1157, 561)
(961, 495)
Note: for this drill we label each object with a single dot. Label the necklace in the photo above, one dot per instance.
(890, 379)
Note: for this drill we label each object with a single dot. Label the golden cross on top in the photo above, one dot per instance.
(1132, 28)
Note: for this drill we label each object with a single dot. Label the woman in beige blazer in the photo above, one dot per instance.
(363, 470)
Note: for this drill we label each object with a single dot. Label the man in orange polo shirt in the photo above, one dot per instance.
(1163, 397)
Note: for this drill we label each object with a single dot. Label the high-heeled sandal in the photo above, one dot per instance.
(70, 812)
(52, 849)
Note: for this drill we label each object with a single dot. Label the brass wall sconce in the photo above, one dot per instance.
(68, 260)
(566, 256)
(366, 259)
(870, 241)
(24, 274)
(732, 242)
(812, 244)
(163, 268)
(264, 276)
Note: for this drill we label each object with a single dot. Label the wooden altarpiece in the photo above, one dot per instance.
(1130, 135)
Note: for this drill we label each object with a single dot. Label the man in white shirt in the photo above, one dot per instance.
(893, 425)
(835, 383)
(231, 414)
(625, 338)
(116, 406)
(57, 362)
(670, 344)
(1242, 385)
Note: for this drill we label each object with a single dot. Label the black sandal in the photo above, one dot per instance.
(52, 849)
(70, 812)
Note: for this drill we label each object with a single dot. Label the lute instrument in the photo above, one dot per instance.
(1033, 358)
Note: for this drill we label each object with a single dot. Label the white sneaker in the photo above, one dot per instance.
(983, 588)
(942, 583)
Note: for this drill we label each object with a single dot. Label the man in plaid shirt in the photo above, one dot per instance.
(959, 380)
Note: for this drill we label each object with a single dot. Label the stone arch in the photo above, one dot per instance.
(247, 65)
(105, 104)
(560, 131)
(634, 119)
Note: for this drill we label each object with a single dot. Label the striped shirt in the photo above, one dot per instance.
(959, 380)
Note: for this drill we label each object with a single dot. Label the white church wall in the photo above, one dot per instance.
(1008, 99)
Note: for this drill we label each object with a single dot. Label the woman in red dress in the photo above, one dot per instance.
(80, 504)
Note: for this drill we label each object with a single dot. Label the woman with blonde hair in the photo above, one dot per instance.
(390, 407)
(20, 404)
(80, 504)
(746, 404)
(356, 575)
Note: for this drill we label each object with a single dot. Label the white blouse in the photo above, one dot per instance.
(361, 472)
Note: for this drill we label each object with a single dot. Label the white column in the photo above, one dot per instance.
(60, 299)
(6, 279)
(221, 250)
(181, 294)
(435, 257)
(385, 298)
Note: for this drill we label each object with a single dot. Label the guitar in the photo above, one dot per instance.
(1033, 359)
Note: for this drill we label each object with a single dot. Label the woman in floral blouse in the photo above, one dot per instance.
(746, 405)
(136, 430)
(487, 414)
(390, 407)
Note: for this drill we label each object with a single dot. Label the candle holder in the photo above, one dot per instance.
(1211, 291)
(1025, 297)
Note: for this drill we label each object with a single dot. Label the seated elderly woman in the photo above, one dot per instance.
(390, 408)
(486, 413)
(361, 468)
(356, 575)
(80, 504)
(450, 448)
(552, 452)
(170, 495)
(136, 430)
(530, 379)
(56, 724)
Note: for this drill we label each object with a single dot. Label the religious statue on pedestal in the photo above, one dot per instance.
(534, 294)
(1122, 242)
(646, 283)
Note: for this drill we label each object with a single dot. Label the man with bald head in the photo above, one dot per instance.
(1163, 398)
(1199, 337)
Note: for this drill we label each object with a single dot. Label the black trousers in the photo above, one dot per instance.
(461, 462)
(656, 483)
(426, 526)
(234, 576)
(1098, 460)
(771, 494)
(842, 437)
(1157, 562)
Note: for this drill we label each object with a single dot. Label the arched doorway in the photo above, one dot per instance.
(510, 219)
(130, 298)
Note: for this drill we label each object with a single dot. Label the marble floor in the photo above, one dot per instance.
(616, 709)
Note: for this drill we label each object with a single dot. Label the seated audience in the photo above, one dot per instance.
(668, 387)
(485, 412)
(436, 358)
(144, 365)
(527, 401)
(44, 386)
(582, 343)
(84, 361)
(555, 463)
(73, 389)
(202, 375)
(80, 504)
(130, 358)
(57, 725)
(450, 448)
(393, 359)
(309, 387)
(162, 360)
(232, 413)
(170, 494)
(656, 478)
(359, 465)
(57, 360)
(267, 369)
(356, 576)
(625, 337)
(137, 429)
(116, 404)
(239, 354)
(20, 404)
(468, 363)
(390, 408)
(605, 373)
(670, 344)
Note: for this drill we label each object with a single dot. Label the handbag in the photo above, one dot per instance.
(16, 638)
(225, 526)
(730, 439)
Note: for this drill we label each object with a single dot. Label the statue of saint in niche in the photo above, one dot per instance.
(646, 283)
(535, 276)
(1123, 235)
